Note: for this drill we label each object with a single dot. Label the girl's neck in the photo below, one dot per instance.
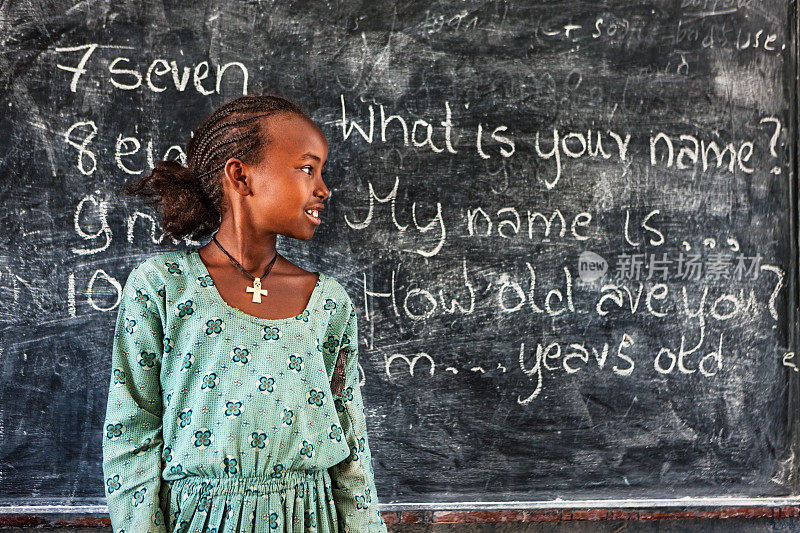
(254, 254)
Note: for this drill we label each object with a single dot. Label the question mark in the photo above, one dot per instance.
(774, 139)
(778, 272)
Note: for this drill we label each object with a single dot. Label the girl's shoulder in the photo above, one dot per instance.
(334, 290)
(164, 268)
(153, 280)
(164, 262)
(336, 299)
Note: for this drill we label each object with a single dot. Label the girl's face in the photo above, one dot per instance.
(274, 195)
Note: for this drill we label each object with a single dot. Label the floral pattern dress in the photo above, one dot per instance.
(219, 421)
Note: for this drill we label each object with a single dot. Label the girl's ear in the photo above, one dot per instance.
(236, 177)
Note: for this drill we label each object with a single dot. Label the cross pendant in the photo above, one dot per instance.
(257, 290)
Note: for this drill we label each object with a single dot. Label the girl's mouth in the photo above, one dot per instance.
(313, 216)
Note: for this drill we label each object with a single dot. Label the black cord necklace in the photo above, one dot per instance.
(256, 288)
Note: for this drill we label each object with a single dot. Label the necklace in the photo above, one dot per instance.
(256, 288)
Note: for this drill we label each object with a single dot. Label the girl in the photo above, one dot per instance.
(235, 402)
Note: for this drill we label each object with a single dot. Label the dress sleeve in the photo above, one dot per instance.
(132, 438)
(353, 481)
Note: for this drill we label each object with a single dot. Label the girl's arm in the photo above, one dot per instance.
(132, 439)
(353, 479)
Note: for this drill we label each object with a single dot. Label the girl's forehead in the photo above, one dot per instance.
(289, 123)
(302, 145)
(292, 136)
(300, 148)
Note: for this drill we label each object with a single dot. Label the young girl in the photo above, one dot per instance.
(234, 402)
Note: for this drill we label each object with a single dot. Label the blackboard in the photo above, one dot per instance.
(570, 229)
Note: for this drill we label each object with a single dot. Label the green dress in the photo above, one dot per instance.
(219, 421)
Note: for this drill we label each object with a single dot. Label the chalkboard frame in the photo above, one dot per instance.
(55, 513)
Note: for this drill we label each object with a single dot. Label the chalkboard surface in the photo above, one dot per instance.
(570, 229)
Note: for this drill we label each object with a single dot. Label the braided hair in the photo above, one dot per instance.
(190, 198)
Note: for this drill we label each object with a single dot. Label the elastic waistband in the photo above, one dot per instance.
(245, 485)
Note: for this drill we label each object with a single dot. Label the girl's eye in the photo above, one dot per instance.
(324, 173)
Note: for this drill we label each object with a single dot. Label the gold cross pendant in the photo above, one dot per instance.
(257, 290)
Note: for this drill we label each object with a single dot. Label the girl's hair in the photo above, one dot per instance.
(190, 198)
